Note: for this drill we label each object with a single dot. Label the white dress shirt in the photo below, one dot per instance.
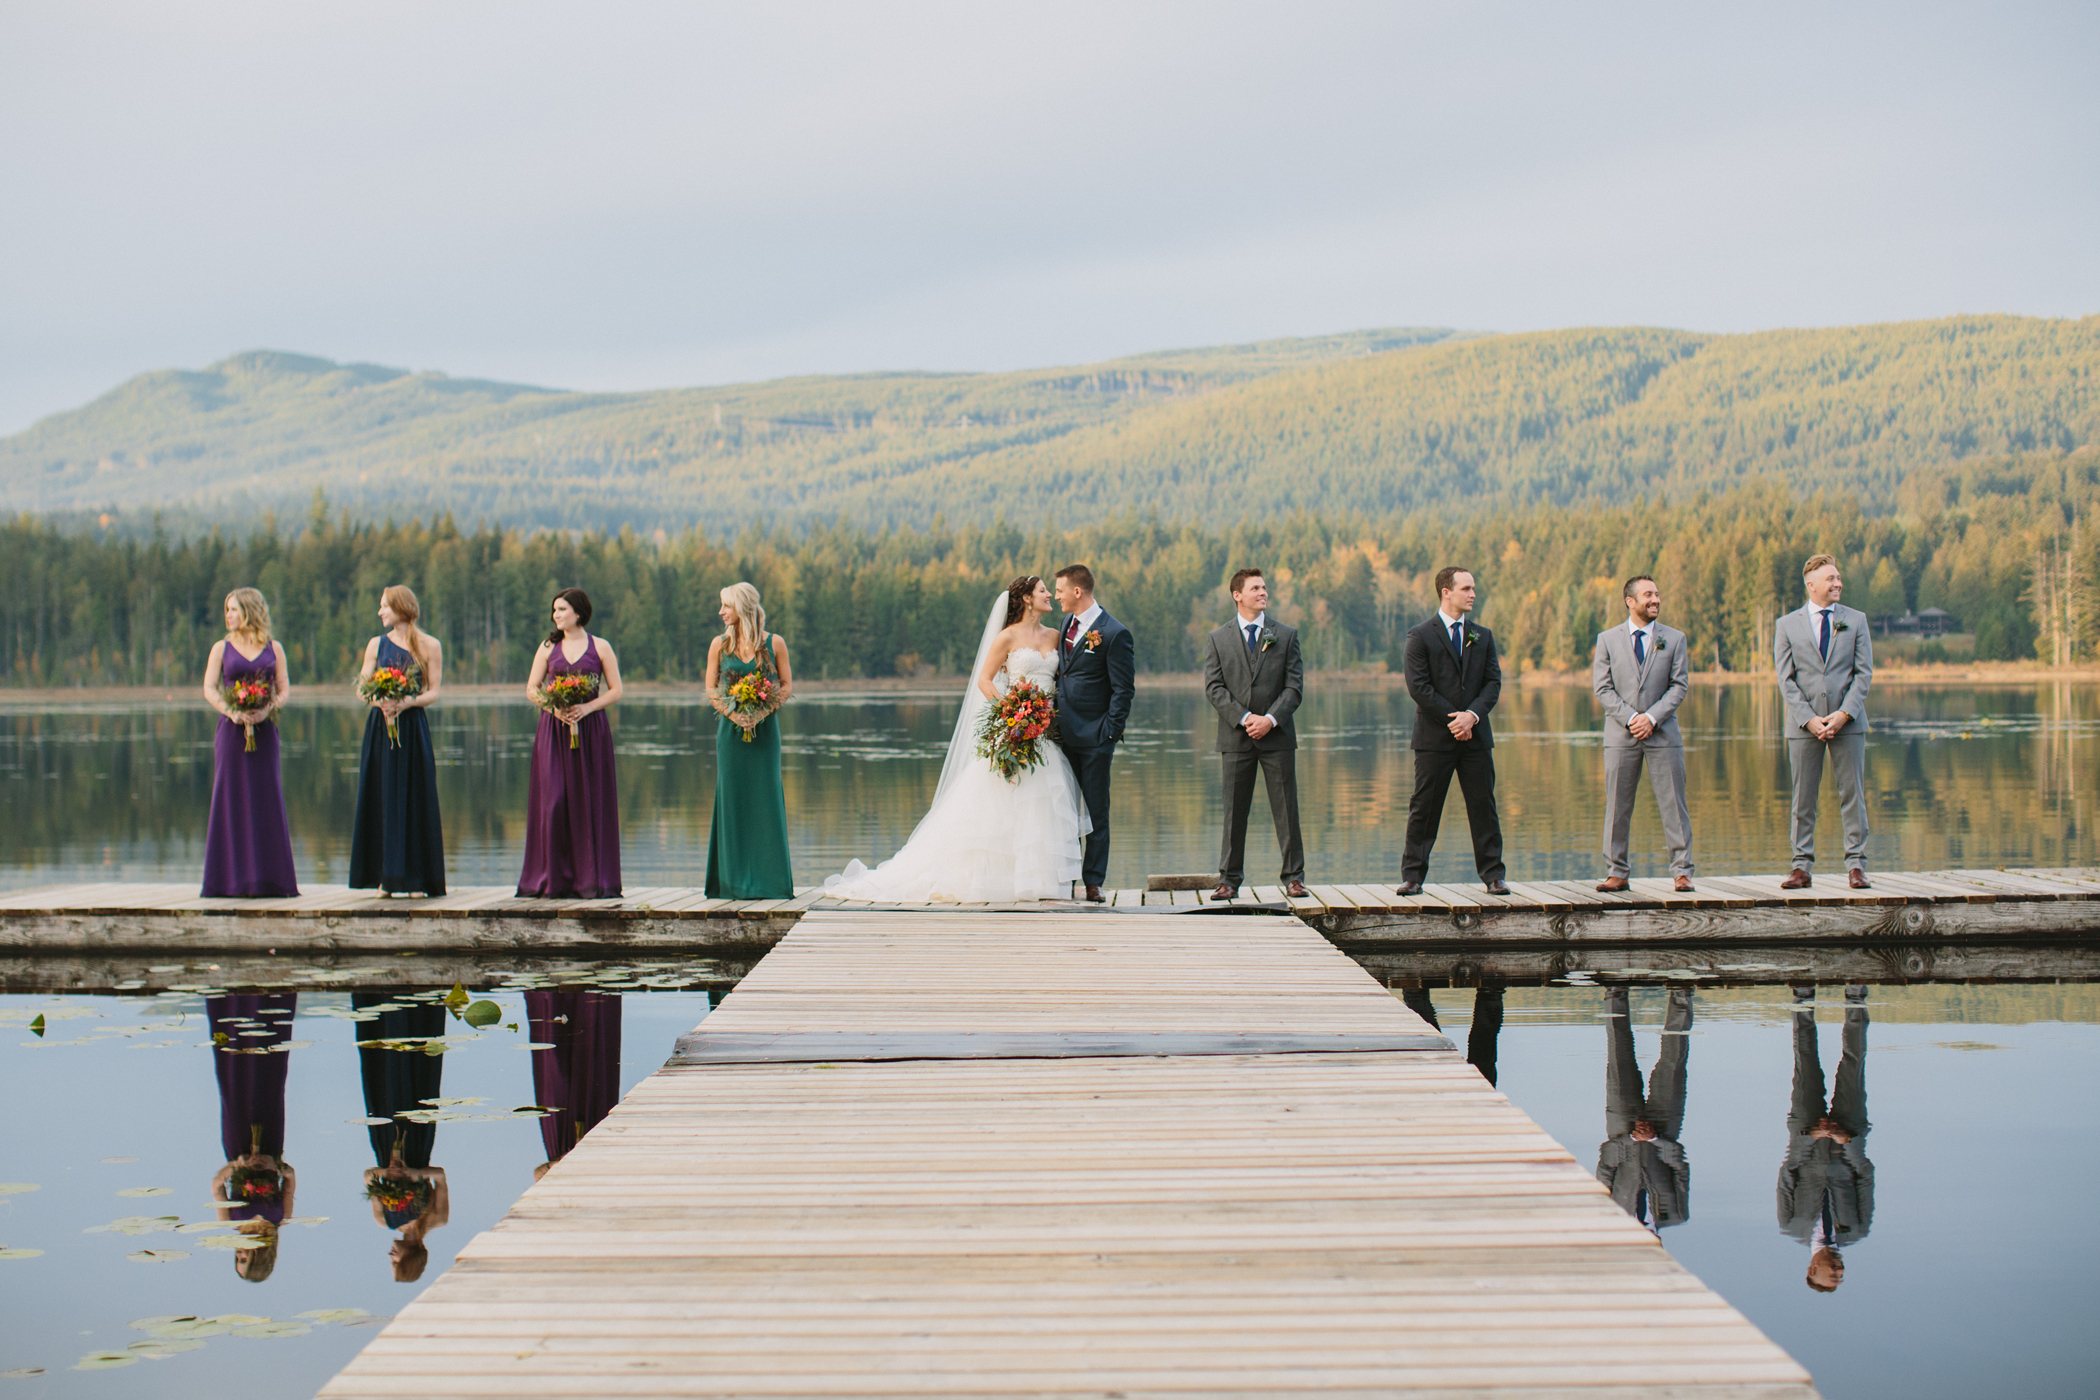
(1086, 624)
(1647, 636)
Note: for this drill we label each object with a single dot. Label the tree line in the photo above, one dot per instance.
(2006, 545)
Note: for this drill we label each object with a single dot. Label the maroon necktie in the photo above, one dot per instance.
(1071, 631)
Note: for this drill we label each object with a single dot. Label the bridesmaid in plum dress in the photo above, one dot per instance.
(572, 811)
(248, 844)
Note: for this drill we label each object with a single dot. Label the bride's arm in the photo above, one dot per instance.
(993, 660)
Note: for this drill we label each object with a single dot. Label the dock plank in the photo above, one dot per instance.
(895, 1220)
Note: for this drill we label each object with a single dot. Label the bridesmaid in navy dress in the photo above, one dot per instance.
(248, 844)
(572, 812)
(397, 843)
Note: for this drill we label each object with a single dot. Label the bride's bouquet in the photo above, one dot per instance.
(566, 691)
(1011, 732)
(391, 683)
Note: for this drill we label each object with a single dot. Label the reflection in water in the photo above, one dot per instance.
(252, 1069)
(1826, 1183)
(1487, 1023)
(407, 1193)
(1641, 1160)
(579, 1076)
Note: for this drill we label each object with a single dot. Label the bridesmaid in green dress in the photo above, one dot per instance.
(747, 845)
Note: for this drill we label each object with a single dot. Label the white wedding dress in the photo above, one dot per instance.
(984, 838)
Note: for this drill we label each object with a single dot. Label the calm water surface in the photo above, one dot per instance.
(1970, 776)
(1973, 1274)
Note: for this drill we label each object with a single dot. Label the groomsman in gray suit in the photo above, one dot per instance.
(1254, 677)
(1825, 659)
(1641, 673)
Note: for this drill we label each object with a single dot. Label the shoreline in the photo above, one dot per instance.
(1984, 673)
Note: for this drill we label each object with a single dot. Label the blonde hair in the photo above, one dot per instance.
(1815, 562)
(750, 614)
(255, 614)
(400, 599)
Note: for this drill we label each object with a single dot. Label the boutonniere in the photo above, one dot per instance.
(1471, 636)
(1661, 642)
(1842, 627)
(1093, 639)
(1267, 638)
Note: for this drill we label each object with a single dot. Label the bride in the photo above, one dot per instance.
(984, 838)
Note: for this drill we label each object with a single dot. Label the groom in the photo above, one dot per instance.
(1096, 676)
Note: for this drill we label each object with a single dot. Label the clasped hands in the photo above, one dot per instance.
(1257, 726)
(1640, 726)
(1461, 725)
(1826, 727)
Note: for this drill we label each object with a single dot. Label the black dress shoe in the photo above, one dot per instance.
(1409, 887)
(1497, 887)
(1094, 895)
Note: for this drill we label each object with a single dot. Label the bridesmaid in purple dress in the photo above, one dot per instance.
(572, 813)
(248, 845)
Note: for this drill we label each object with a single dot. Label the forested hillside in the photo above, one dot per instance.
(2005, 543)
(1377, 425)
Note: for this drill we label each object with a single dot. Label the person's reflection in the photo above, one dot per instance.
(579, 1078)
(256, 1184)
(1826, 1183)
(1641, 1161)
(407, 1193)
(1487, 1022)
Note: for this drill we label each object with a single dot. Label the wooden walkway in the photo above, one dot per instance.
(1943, 905)
(1044, 1155)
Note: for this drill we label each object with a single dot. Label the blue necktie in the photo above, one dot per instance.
(1640, 648)
(1824, 643)
(1458, 640)
(1250, 638)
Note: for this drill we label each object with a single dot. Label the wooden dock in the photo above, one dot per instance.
(1942, 906)
(1101, 1155)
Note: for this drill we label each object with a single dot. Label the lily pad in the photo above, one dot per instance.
(6, 1253)
(482, 1013)
(153, 1348)
(21, 1373)
(450, 1103)
(205, 1227)
(369, 1122)
(157, 1256)
(239, 1319)
(147, 1191)
(333, 1314)
(273, 1329)
(36, 1027)
(234, 1239)
(135, 1225)
(307, 1220)
(106, 1360)
(16, 1188)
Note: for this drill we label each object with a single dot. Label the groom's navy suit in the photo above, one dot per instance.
(1095, 681)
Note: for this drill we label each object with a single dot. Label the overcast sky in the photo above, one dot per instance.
(637, 195)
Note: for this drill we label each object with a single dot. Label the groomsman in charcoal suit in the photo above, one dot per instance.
(1641, 673)
(1454, 678)
(1096, 678)
(1254, 677)
(1825, 660)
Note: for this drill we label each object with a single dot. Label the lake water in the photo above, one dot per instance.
(1972, 1273)
(1965, 776)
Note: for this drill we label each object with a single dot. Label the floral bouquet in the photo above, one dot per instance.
(255, 1186)
(249, 696)
(391, 683)
(1011, 732)
(564, 692)
(401, 1195)
(753, 698)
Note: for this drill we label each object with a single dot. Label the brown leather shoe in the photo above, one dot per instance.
(1684, 884)
(1613, 884)
(1798, 880)
(1857, 878)
(1408, 887)
(1225, 891)
(1094, 895)
(1497, 887)
(1296, 890)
